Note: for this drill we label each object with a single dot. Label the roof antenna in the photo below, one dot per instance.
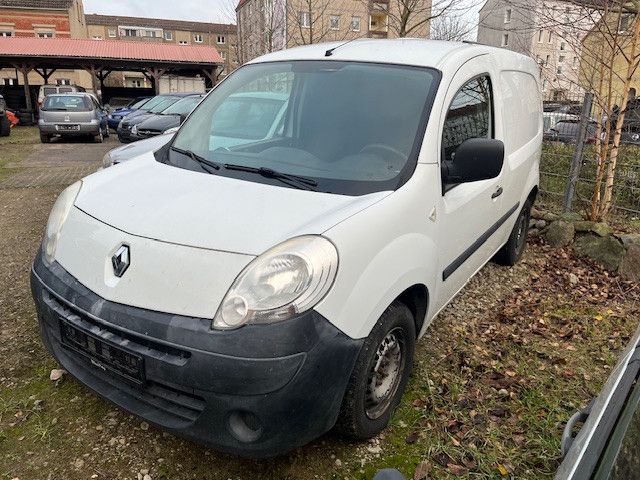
(329, 52)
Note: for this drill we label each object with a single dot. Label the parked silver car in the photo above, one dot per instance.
(72, 115)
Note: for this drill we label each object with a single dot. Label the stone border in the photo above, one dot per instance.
(617, 252)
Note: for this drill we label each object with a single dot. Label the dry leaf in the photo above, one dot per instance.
(422, 470)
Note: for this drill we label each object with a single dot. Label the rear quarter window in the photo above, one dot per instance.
(522, 107)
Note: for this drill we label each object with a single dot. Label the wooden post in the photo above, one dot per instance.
(212, 75)
(45, 74)
(25, 69)
(155, 74)
(93, 71)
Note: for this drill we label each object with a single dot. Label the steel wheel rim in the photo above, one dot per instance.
(385, 374)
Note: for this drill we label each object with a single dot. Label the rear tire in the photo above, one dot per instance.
(512, 251)
(5, 126)
(379, 376)
(45, 138)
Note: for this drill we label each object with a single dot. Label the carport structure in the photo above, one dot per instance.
(100, 58)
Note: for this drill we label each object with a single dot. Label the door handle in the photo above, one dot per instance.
(497, 193)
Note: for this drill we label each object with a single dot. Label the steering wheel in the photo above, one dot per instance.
(381, 150)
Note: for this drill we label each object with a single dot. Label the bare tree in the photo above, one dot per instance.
(451, 28)
(310, 22)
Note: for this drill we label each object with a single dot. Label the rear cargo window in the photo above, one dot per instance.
(522, 108)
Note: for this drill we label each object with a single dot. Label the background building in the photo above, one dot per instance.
(550, 32)
(43, 19)
(269, 25)
(156, 30)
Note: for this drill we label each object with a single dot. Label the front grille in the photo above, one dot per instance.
(178, 407)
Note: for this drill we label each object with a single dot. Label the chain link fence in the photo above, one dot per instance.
(562, 150)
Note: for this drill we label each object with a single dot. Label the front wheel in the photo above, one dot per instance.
(512, 251)
(45, 138)
(379, 376)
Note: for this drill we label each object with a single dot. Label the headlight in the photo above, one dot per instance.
(57, 217)
(107, 161)
(282, 282)
(134, 130)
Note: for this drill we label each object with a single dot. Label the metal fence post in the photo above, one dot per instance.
(576, 161)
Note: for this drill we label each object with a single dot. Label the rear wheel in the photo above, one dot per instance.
(44, 138)
(379, 376)
(5, 126)
(511, 253)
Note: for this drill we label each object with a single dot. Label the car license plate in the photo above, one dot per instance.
(101, 354)
(67, 128)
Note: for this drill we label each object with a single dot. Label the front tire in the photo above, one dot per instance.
(379, 376)
(45, 138)
(512, 251)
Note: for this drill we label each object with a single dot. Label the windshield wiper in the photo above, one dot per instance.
(298, 180)
(204, 163)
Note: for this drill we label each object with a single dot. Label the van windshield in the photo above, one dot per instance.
(67, 103)
(351, 128)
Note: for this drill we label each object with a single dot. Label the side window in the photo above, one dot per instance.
(469, 116)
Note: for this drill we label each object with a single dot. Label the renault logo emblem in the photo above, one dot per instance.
(121, 260)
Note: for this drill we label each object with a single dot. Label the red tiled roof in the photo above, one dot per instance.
(81, 48)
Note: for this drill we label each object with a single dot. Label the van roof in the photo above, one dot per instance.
(403, 51)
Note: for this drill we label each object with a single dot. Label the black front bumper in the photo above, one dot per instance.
(257, 391)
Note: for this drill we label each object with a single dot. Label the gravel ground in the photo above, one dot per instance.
(498, 373)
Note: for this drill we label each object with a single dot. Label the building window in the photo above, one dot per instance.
(223, 55)
(134, 82)
(183, 42)
(6, 34)
(334, 22)
(505, 39)
(546, 60)
(151, 33)
(221, 39)
(63, 81)
(561, 59)
(507, 15)
(44, 34)
(562, 45)
(168, 36)
(540, 34)
(305, 19)
(112, 33)
(559, 70)
(355, 24)
(197, 38)
(129, 32)
(10, 81)
(549, 38)
(544, 84)
(96, 37)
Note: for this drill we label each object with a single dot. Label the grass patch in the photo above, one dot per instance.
(15, 148)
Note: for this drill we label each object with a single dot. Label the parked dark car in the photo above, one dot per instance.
(170, 118)
(154, 106)
(567, 130)
(72, 115)
(5, 125)
(119, 113)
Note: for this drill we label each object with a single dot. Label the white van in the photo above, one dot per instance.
(46, 90)
(254, 296)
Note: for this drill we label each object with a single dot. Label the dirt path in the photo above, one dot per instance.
(496, 376)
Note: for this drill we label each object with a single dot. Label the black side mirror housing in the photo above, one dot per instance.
(475, 159)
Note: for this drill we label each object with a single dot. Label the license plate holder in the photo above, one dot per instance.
(103, 354)
(68, 128)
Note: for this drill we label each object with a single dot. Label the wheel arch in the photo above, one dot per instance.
(416, 298)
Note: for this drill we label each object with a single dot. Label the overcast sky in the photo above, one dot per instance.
(199, 10)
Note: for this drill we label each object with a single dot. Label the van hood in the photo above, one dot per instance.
(150, 199)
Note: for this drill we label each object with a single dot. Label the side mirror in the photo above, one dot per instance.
(475, 159)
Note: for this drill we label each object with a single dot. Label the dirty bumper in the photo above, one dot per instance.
(257, 391)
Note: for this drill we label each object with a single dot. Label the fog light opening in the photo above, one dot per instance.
(245, 426)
